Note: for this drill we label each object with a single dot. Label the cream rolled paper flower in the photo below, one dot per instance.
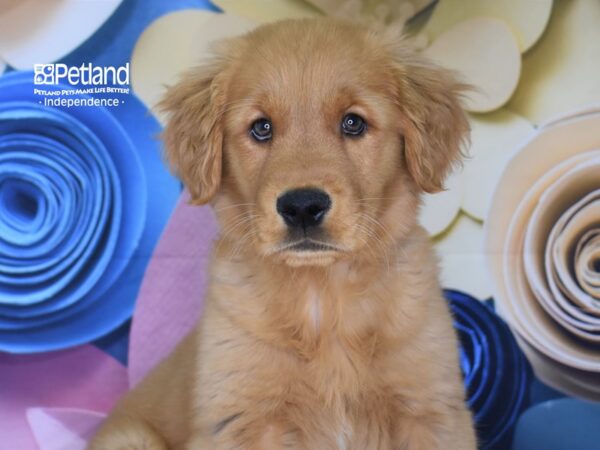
(543, 247)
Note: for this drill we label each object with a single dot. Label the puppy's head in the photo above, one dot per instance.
(314, 139)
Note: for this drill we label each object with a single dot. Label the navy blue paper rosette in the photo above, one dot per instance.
(84, 196)
(497, 376)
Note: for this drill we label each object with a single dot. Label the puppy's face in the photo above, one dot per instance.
(314, 139)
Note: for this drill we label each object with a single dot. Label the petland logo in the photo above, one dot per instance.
(63, 86)
(86, 74)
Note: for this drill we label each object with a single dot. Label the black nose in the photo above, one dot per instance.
(303, 207)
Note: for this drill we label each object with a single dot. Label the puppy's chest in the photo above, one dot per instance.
(340, 348)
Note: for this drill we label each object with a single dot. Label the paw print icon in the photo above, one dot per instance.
(43, 74)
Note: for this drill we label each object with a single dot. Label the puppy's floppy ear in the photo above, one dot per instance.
(193, 136)
(435, 126)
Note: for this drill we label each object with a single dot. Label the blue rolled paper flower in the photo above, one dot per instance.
(83, 199)
(497, 376)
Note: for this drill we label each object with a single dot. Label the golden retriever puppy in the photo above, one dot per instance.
(324, 324)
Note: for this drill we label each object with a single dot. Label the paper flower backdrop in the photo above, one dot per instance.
(543, 249)
(527, 201)
(79, 219)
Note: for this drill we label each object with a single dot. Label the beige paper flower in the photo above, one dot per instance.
(541, 244)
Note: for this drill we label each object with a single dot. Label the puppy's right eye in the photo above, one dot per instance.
(261, 130)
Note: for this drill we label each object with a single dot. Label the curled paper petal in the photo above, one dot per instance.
(527, 20)
(559, 73)
(154, 64)
(268, 10)
(484, 51)
(28, 28)
(71, 254)
(551, 270)
(462, 258)
(558, 425)
(587, 261)
(497, 375)
(84, 378)
(542, 224)
(63, 428)
(170, 298)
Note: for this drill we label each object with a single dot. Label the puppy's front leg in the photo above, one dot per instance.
(156, 415)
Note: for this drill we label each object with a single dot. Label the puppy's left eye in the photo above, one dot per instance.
(353, 125)
(261, 130)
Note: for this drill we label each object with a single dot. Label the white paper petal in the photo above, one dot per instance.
(587, 258)
(268, 10)
(462, 258)
(175, 42)
(2, 66)
(495, 138)
(527, 19)
(35, 32)
(440, 209)
(485, 52)
(561, 72)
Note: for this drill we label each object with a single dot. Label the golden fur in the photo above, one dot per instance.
(351, 348)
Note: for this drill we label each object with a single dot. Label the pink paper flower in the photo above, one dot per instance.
(56, 401)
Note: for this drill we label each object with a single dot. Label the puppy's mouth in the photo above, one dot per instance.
(308, 252)
(308, 246)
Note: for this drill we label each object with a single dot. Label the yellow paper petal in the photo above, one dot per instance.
(440, 209)
(527, 19)
(268, 10)
(174, 43)
(562, 72)
(462, 258)
(495, 138)
(485, 53)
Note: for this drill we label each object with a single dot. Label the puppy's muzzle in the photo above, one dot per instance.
(302, 209)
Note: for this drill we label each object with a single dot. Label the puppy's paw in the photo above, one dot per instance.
(127, 435)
